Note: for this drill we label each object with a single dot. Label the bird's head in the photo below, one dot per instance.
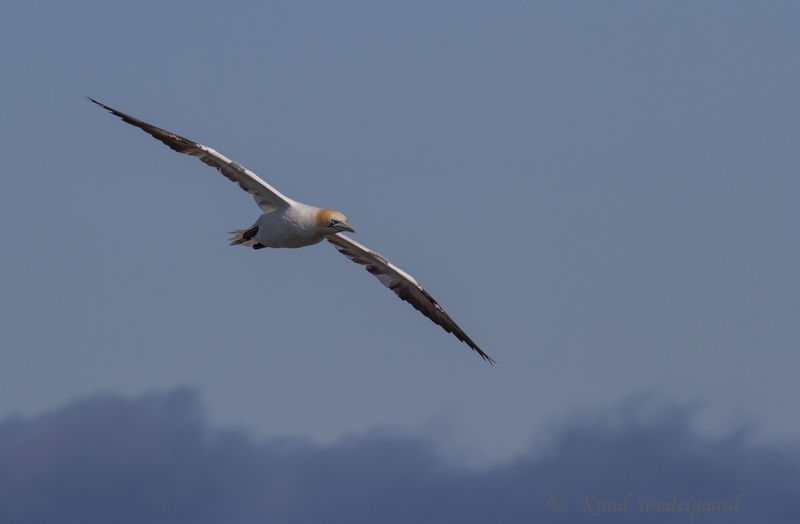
(332, 221)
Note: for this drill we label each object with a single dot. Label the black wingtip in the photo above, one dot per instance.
(468, 341)
(101, 104)
(479, 351)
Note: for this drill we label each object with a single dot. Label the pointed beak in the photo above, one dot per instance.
(344, 226)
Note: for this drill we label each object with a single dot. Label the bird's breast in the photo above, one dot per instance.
(289, 228)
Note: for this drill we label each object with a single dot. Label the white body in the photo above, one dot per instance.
(292, 226)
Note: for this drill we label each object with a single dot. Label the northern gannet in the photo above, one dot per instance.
(288, 223)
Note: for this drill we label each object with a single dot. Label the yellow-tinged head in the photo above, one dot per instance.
(332, 221)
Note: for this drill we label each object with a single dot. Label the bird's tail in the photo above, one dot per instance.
(245, 237)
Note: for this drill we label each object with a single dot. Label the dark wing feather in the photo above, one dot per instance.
(266, 196)
(403, 285)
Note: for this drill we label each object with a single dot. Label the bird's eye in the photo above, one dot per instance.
(334, 222)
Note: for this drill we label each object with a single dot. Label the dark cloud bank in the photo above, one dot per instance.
(108, 459)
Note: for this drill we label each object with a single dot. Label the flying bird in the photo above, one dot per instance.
(291, 224)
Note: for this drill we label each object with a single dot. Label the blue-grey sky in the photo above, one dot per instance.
(603, 195)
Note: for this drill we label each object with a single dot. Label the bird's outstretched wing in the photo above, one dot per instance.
(267, 197)
(404, 286)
